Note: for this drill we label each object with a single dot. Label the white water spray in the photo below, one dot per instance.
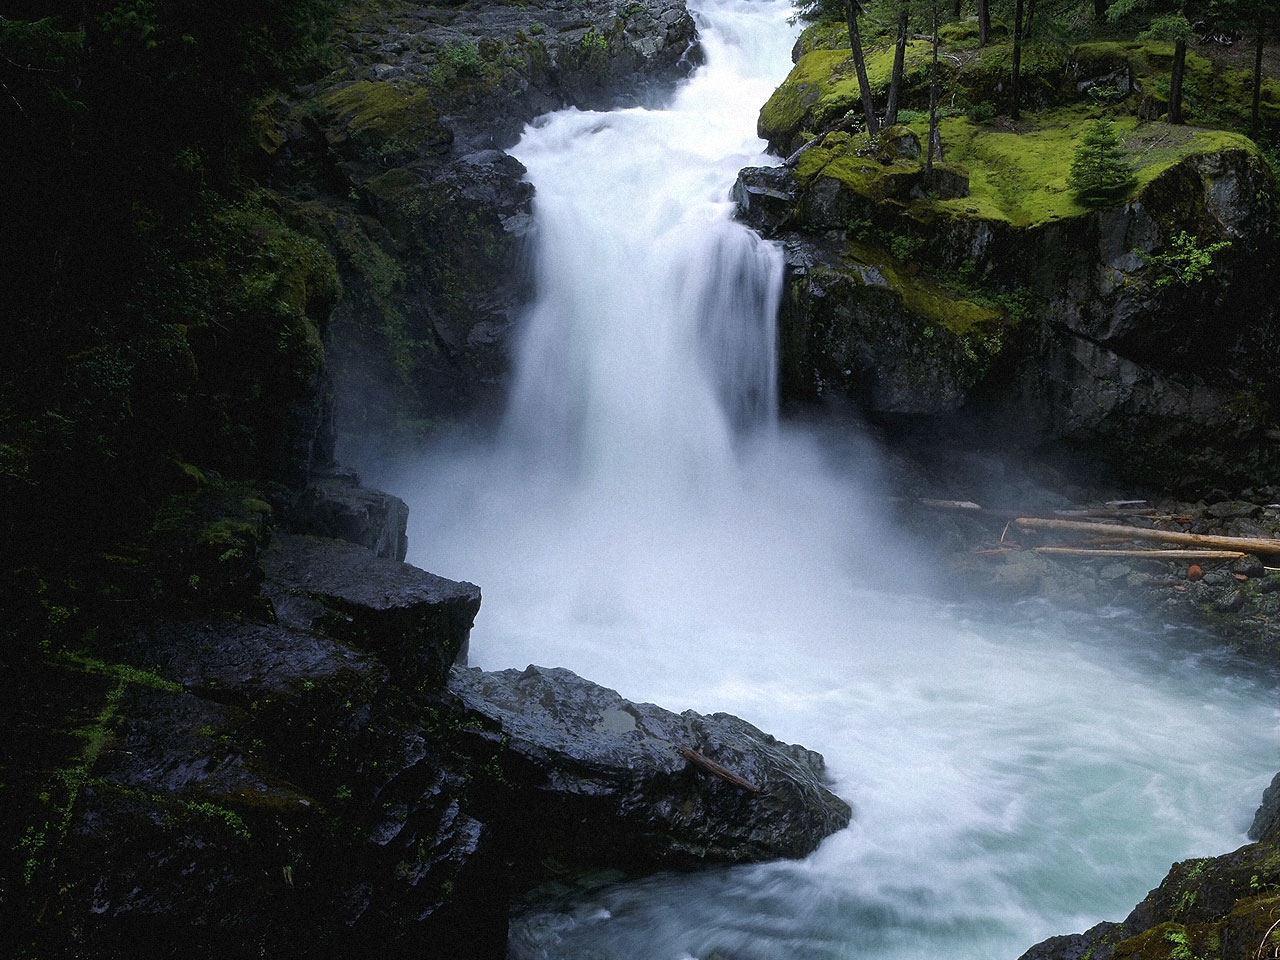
(642, 520)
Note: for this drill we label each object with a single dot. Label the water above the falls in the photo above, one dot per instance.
(642, 519)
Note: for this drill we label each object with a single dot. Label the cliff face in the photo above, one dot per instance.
(991, 301)
(395, 161)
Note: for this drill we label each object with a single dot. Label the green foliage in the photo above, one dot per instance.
(459, 61)
(1170, 27)
(981, 112)
(1101, 171)
(1186, 262)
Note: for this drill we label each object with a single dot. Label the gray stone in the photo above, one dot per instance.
(601, 781)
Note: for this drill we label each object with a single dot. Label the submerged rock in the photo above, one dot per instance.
(602, 781)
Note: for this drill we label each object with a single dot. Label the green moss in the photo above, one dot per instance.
(846, 158)
(377, 107)
(1021, 178)
(39, 841)
(125, 673)
(823, 86)
(927, 298)
(387, 122)
(229, 820)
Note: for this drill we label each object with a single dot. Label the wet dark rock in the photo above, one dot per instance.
(276, 791)
(339, 508)
(416, 622)
(1266, 822)
(1221, 906)
(601, 781)
(765, 196)
(1232, 509)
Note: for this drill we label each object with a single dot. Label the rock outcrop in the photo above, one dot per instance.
(414, 621)
(338, 507)
(1222, 907)
(604, 782)
(296, 780)
(990, 303)
(1266, 822)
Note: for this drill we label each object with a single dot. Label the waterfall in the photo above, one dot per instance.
(651, 347)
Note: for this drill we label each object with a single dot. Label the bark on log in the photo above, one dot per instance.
(1255, 545)
(1144, 554)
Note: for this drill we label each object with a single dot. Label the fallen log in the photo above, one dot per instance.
(1143, 554)
(1255, 545)
(966, 505)
(713, 768)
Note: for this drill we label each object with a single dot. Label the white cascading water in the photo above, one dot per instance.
(642, 520)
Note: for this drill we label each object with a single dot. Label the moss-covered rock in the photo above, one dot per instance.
(1220, 908)
(1124, 350)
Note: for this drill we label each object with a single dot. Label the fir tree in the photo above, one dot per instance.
(1100, 170)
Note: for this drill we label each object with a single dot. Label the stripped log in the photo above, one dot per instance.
(1143, 554)
(713, 768)
(1255, 545)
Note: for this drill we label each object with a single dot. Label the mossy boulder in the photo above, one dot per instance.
(823, 87)
(855, 322)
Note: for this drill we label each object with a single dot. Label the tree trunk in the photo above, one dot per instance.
(934, 139)
(895, 83)
(1100, 10)
(984, 22)
(860, 64)
(956, 8)
(1175, 84)
(1016, 87)
(1031, 17)
(1254, 115)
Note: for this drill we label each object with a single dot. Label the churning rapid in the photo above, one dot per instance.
(643, 520)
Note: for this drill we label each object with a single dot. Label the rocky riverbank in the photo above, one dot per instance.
(315, 778)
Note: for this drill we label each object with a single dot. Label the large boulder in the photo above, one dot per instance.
(603, 782)
(416, 622)
(275, 791)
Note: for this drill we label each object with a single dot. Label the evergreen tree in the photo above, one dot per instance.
(1100, 170)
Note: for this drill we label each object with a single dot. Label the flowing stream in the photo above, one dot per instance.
(642, 519)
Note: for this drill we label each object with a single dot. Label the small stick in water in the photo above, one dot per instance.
(709, 765)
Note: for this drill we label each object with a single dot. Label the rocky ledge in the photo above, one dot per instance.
(1234, 601)
(314, 777)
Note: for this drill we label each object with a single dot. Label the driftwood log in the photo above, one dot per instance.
(1143, 554)
(1256, 545)
(715, 769)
